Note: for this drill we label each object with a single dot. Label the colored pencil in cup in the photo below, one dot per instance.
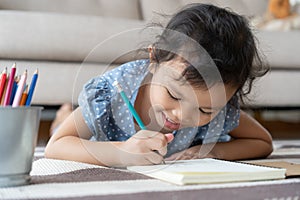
(20, 90)
(14, 89)
(2, 82)
(24, 96)
(9, 85)
(32, 87)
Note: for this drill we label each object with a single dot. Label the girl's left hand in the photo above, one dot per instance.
(190, 153)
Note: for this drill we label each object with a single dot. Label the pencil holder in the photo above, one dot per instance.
(18, 137)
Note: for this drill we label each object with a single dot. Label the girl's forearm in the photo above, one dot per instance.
(250, 140)
(81, 150)
(240, 149)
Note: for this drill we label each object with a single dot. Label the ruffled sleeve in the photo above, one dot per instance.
(95, 103)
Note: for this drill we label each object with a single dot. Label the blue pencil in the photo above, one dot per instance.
(129, 105)
(13, 92)
(32, 87)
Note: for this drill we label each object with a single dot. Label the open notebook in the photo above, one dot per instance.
(208, 171)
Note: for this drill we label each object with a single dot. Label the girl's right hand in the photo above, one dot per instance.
(144, 148)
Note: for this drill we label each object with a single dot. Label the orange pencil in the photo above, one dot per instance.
(2, 82)
(24, 96)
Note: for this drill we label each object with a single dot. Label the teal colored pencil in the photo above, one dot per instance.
(130, 106)
(32, 87)
(132, 110)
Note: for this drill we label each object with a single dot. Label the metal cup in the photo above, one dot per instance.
(18, 137)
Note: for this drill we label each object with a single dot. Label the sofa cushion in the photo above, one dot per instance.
(107, 8)
(281, 48)
(279, 88)
(60, 37)
(150, 8)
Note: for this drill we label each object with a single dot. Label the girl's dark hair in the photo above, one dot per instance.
(226, 37)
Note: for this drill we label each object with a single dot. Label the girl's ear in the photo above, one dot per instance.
(151, 51)
(153, 60)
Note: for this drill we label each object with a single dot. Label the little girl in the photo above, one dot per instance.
(186, 101)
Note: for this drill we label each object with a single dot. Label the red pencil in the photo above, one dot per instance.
(2, 82)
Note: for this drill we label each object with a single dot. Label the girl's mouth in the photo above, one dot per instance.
(170, 124)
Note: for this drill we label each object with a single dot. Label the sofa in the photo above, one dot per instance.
(70, 41)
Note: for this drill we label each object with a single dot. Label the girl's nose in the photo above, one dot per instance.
(177, 115)
(186, 115)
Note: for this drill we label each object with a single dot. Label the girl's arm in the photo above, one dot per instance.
(71, 142)
(249, 140)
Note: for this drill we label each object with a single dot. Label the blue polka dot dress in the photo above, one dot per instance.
(109, 119)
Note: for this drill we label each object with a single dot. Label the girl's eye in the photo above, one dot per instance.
(204, 112)
(172, 96)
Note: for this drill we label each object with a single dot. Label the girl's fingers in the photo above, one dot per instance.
(169, 137)
(149, 145)
(163, 150)
(155, 158)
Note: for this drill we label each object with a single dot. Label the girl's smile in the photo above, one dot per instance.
(169, 123)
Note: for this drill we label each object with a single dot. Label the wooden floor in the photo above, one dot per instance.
(279, 129)
(44, 133)
(282, 130)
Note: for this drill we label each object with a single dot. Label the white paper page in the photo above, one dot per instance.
(202, 165)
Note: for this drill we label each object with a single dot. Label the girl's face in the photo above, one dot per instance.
(173, 104)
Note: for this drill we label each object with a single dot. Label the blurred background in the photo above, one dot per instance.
(70, 41)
